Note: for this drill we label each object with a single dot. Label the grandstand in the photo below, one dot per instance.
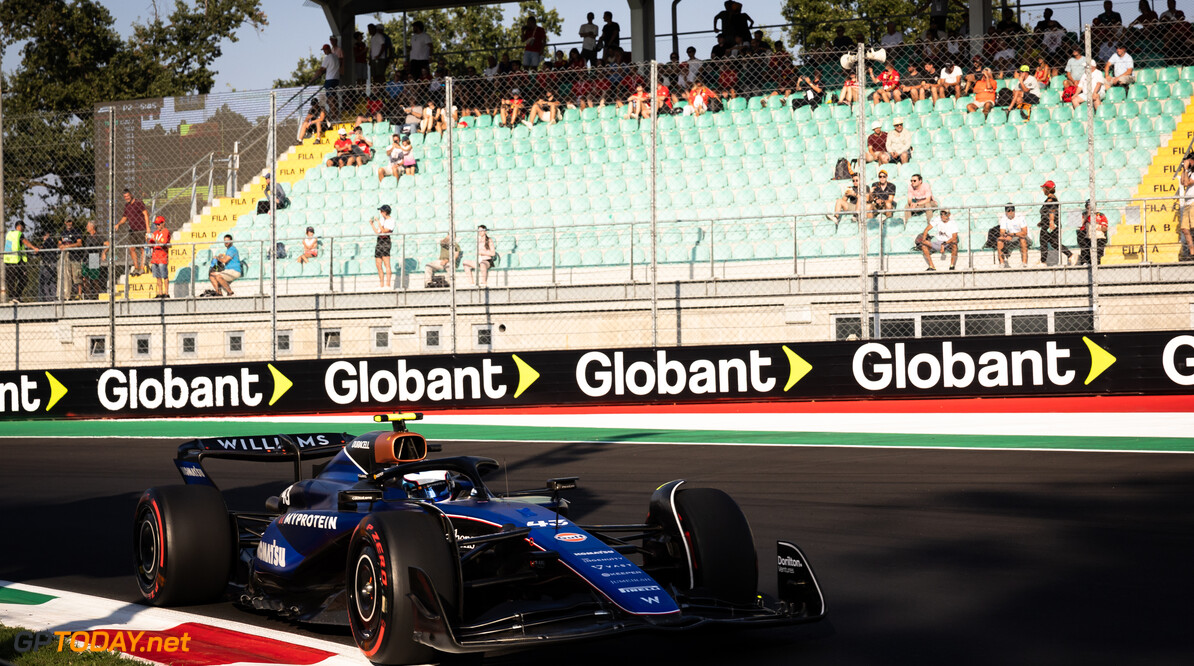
(575, 195)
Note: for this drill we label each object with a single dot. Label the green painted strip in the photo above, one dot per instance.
(182, 429)
(21, 597)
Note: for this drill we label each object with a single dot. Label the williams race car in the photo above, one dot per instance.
(420, 558)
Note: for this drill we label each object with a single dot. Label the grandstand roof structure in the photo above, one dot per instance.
(341, 16)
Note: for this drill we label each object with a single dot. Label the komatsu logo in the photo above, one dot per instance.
(958, 369)
(271, 553)
(193, 471)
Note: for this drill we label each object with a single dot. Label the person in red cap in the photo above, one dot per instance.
(1050, 224)
(159, 260)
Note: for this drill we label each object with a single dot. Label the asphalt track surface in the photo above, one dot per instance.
(925, 556)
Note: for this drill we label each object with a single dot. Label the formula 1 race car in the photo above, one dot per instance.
(420, 558)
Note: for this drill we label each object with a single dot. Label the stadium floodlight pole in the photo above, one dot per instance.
(654, 165)
(271, 141)
(1091, 227)
(860, 66)
(449, 100)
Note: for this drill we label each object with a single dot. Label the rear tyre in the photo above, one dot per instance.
(725, 565)
(183, 544)
(382, 551)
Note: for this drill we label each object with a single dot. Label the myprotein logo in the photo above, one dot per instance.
(879, 366)
(599, 374)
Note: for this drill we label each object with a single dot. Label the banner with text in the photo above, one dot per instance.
(1109, 364)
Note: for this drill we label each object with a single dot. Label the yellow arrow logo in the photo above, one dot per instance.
(282, 384)
(1100, 359)
(57, 390)
(797, 367)
(526, 375)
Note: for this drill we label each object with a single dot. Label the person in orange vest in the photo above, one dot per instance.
(159, 260)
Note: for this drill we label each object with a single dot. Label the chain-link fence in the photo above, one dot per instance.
(942, 187)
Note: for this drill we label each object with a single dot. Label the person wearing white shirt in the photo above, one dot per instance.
(588, 46)
(694, 65)
(940, 235)
(892, 37)
(1075, 67)
(420, 51)
(951, 78)
(329, 69)
(1119, 68)
(1013, 230)
(1098, 83)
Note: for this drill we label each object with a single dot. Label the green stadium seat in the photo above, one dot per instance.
(1183, 90)
(1141, 92)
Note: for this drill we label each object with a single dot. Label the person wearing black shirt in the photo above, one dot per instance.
(841, 41)
(719, 49)
(1109, 16)
(611, 34)
(71, 279)
(1046, 24)
(883, 195)
(1050, 224)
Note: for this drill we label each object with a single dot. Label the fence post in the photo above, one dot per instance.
(449, 101)
(1092, 206)
(655, 104)
(332, 264)
(272, 145)
(795, 247)
(112, 237)
(194, 193)
(864, 251)
(1144, 224)
(193, 269)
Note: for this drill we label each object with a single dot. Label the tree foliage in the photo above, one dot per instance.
(814, 22)
(470, 34)
(72, 58)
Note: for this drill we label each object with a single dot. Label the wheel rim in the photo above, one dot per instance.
(364, 585)
(147, 549)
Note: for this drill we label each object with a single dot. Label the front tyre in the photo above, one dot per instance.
(383, 550)
(721, 548)
(183, 544)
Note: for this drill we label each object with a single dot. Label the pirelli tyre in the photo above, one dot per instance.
(183, 542)
(721, 548)
(384, 552)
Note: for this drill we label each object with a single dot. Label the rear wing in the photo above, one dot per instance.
(262, 448)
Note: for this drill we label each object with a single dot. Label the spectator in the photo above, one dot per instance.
(720, 49)
(850, 89)
(1026, 95)
(931, 77)
(920, 200)
(381, 50)
(1106, 50)
(362, 148)
(1043, 72)
(975, 75)
(225, 268)
(882, 196)
(662, 101)
(446, 258)
(1003, 57)
(1119, 69)
(329, 69)
(1097, 231)
(94, 268)
(491, 67)
(1109, 17)
(159, 260)
(939, 237)
(136, 215)
(546, 109)
(360, 57)
(1075, 67)
(314, 124)
(310, 247)
(48, 265)
(1146, 19)
(1013, 231)
(699, 97)
(892, 37)
(486, 257)
(986, 90)
(899, 142)
(420, 46)
(638, 104)
(1047, 23)
(1098, 87)
(373, 109)
(876, 145)
(71, 277)
(1172, 13)
(913, 84)
(409, 163)
(951, 80)
(1052, 35)
(611, 35)
(511, 109)
(740, 23)
(727, 80)
(344, 155)
(840, 40)
(889, 84)
(534, 40)
(814, 91)
(722, 20)
(1185, 221)
(1050, 225)
(384, 229)
(848, 203)
(694, 65)
(588, 35)
(396, 154)
(280, 199)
